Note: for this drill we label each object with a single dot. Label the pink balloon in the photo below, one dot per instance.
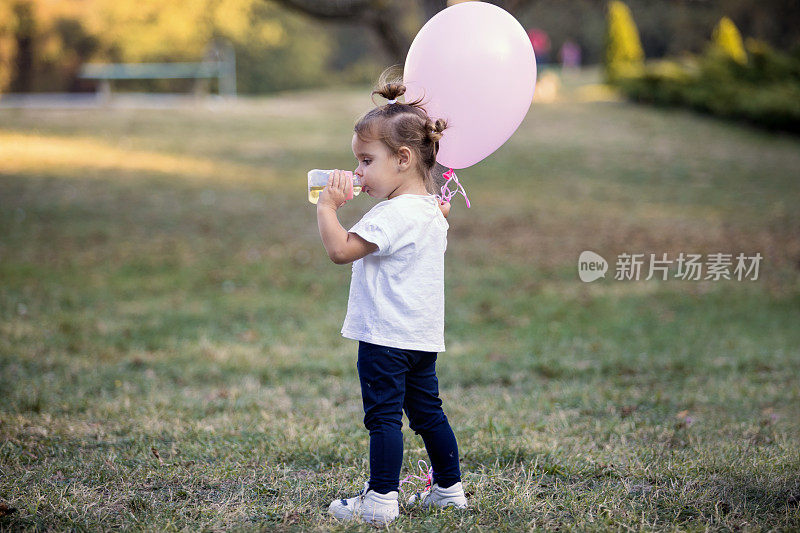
(474, 65)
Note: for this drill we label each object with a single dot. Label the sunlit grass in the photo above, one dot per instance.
(90, 157)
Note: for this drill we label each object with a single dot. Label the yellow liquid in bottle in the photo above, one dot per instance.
(314, 192)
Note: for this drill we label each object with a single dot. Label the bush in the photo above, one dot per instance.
(624, 56)
(764, 90)
(727, 41)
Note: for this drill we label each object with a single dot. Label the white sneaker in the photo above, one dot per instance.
(370, 506)
(452, 496)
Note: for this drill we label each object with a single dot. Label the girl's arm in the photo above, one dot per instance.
(342, 247)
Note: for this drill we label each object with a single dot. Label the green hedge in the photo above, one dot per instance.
(765, 90)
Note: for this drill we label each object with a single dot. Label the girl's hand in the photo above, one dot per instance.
(335, 194)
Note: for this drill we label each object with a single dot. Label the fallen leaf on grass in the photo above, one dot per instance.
(6, 510)
(157, 455)
(249, 336)
(684, 420)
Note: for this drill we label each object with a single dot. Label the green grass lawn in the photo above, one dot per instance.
(170, 355)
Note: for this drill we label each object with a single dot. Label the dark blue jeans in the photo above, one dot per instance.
(394, 380)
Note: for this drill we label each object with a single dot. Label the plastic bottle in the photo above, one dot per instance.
(318, 179)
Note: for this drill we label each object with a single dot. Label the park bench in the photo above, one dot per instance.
(224, 71)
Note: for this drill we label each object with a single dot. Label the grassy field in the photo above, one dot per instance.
(170, 355)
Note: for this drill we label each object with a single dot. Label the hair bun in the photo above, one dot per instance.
(435, 129)
(391, 91)
(390, 84)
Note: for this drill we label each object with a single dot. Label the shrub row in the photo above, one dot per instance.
(763, 90)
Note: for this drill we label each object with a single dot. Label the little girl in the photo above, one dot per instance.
(396, 304)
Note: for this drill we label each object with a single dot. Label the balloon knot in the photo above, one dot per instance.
(447, 194)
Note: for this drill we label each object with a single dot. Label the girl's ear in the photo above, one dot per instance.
(404, 157)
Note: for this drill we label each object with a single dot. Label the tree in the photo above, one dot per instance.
(623, 55)
(727, 41)
(275, 49)
(25, 36)
(382, 16)
(8, 45)
(42, 44)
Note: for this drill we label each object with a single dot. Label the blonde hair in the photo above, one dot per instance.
(402, 124)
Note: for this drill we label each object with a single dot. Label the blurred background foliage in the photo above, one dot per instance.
(43, 43)
(750, 80)
(292, 44)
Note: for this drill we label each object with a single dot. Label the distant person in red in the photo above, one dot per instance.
(541, 45)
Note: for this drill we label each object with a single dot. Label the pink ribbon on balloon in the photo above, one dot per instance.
(447, 194)
(427, 477)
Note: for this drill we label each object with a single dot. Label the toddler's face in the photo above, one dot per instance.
(377, 168)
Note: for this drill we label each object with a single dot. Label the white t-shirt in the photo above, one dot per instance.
(397, 292)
